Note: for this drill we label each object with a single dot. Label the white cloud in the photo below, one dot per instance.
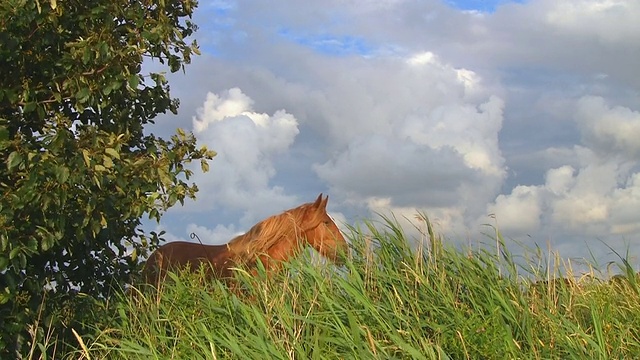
(559, 180)
(608, 20)
(609, 131)
(624, 210)
(598, 198)
(379, 166)
(418, 133)
(247, 143)
(216, 108)
(471, 130)
(422, 59)
(519, 211)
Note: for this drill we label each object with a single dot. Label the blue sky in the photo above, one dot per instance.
(525, 117)
(479, 5)
(331, 44)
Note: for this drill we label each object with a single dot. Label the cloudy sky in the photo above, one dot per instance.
(524, 114)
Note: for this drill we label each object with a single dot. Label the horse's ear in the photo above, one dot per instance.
(323, 205)
(318, 202)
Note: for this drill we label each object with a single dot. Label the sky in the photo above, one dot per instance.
(524, 115)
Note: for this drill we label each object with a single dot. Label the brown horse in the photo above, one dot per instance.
(271, 241)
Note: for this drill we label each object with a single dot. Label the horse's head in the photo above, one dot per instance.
(322, 233)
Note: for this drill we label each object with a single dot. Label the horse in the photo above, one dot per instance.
(271, 241)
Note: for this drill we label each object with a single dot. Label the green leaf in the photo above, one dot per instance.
(41, 112)
(134, 81)
(83, 94)
(5, 296)
(29, 107)
(154, 214)
(4, 262)
(107, 162)
(173, 197)
(14, 252)
(97, 182)
(85, 155)
(11, 95)
(113, 85)
(14, 160)
(4, 243)
(32, 243)
(204, 164)
(112, 152)
(86, 56)
(163, 174)
(46, 241)
(210, 154)
(62, 174)
(22, 260)
(104, 49)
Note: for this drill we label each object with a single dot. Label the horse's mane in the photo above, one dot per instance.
(268, 232)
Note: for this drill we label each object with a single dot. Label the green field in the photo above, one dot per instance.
(395, 299)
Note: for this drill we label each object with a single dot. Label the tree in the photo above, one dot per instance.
(79, 173)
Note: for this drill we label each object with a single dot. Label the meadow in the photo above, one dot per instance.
(395, 298)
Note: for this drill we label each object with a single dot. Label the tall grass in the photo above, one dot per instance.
(393, 299)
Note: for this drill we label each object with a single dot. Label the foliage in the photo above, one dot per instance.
(391, 300)
(79, 172)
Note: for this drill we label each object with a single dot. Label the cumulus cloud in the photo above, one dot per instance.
(609, 130)
(431, 145)
(370, 166)
(609, 20)
(560, 180)
(518, 212)
(247, 143)
(471, 130)
(626, 202)
(600, 196)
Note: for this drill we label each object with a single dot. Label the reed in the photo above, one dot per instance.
(394, 298)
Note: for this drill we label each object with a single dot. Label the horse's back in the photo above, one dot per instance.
(178, 255)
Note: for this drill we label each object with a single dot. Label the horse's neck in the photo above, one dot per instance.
(289, 246)
(258, 241)
(236, 244)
